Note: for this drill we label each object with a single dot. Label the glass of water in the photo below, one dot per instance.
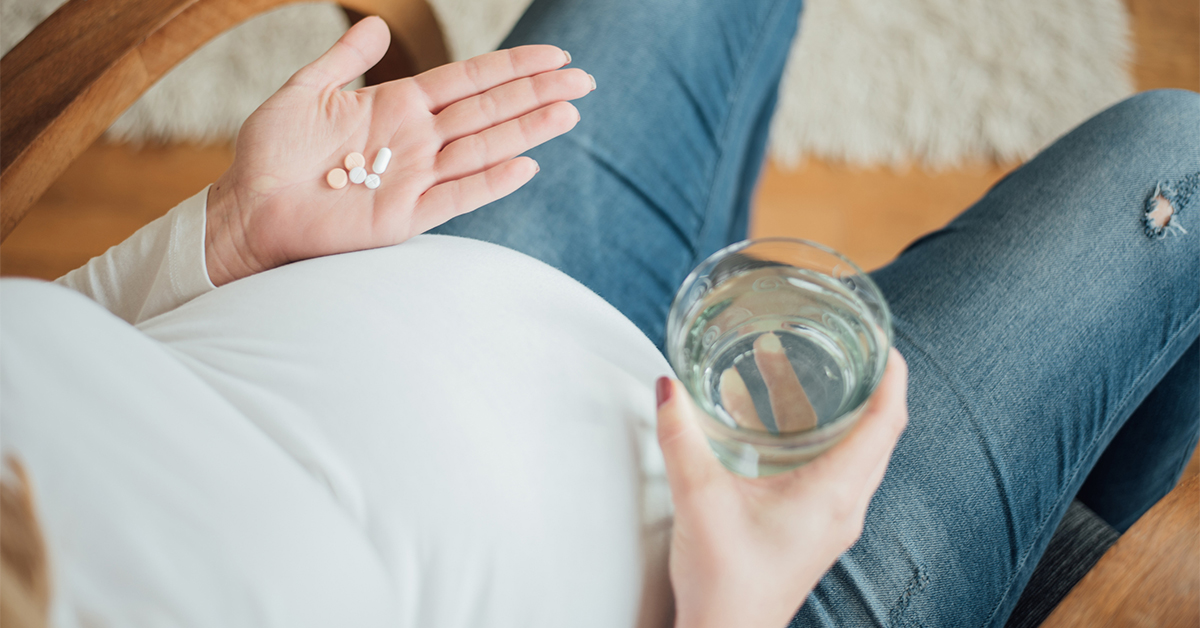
(780, 342)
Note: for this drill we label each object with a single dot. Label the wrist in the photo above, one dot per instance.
(226, 250)
(750, 609)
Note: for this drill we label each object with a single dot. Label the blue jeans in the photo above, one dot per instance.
(1050, 334)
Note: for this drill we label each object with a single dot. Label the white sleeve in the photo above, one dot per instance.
(155, 270)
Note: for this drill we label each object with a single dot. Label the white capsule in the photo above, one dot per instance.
(372, 181)
(358, 175)
(381, 160)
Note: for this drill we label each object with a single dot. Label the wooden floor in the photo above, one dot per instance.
(104, 196)
(1150, 578)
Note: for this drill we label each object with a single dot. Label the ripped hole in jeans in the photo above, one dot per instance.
(1170, 199)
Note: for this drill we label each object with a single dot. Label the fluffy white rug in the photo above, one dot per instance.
(938, 82)
(943, 81)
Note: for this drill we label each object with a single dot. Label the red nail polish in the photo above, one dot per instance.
(663, 390)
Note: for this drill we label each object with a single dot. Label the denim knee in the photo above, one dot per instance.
(1165, 123)
(1161, 126)
(1163, 104)
(1134, 166)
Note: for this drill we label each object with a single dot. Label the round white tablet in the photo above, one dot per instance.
(358, 175)
(372, 181)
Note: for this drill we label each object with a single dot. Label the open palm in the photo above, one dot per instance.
(454, 132)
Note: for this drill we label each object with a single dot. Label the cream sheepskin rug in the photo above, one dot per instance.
(937, 82)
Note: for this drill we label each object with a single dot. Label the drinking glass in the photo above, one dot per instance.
(780, 342)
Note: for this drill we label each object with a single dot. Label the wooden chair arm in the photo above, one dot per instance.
(66, 82)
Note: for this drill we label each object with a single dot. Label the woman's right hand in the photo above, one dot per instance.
(746, 552)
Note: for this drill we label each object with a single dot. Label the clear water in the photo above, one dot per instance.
(824, 329)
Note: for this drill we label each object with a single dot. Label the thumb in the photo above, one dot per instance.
(690, 462)
(356, 52)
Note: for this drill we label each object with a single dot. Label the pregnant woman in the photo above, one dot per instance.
(280, 404)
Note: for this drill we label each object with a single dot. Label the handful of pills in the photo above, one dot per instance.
(356, 165)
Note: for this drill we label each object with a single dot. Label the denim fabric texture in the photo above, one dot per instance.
(1051, 337)
(659, 172)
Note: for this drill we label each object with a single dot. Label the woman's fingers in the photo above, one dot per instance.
(478, 152)
(452, 198)
(452, 82)
(736, 400)
(508, 101)
(789, 403)
(690, 462)
(356, 52)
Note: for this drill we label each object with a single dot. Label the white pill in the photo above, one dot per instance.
(358, 175)
(372, 181)
(381, 160)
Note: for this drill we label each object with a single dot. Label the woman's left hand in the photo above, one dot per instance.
(746, 552)
(454, 132)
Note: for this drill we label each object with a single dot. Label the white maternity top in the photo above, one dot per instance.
(444, 433)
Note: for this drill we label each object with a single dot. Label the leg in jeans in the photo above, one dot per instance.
(659, 172)
(1146, 458)
(1035, 325)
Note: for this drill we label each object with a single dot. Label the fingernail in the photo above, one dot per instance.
(663, 390)
(537, 167)
(770, 343)
(568, 56)
(593, 81)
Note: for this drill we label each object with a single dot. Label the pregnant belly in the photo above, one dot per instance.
(484, 420)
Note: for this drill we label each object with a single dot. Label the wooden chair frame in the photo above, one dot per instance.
(82, 67)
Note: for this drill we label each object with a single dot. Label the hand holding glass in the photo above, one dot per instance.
(781, 342)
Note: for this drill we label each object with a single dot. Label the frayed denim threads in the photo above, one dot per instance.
(1178, 195)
